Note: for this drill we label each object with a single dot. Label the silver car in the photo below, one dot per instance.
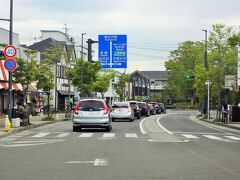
(122, 110)
(91, 113)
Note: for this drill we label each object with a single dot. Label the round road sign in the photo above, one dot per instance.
(10, 51)
(10, 64)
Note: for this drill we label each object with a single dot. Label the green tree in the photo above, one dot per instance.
(90, 72)
(102, 83)
(45, 79)
(123, 79)
(182, 63)
(26, 72)
(222, 59)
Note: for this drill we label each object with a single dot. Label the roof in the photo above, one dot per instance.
(139, 73)
(156, 74)
(46, 44)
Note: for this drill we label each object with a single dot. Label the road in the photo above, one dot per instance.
(170, 146)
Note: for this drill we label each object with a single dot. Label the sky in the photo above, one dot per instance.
(153, 27)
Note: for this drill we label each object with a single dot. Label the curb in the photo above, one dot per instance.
(31, 126)
(219, 124)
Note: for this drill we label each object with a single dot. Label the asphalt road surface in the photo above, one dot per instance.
(170, 146)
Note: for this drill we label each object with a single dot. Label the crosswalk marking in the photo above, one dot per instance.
(190, 136)
(212, 137)
(108, 135)
(86, 135)
(62, 135)
(40, 135)
(131, 135)
(233, 137)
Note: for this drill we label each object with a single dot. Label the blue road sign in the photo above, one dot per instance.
(10, 64)
(112, 51)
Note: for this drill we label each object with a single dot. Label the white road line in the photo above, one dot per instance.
(158, 122)
(23, 144)
(190, 136)
(108, 135)
(100, 162)
(131, 135)
(233, 137)
(62, 135)
(79, 162)
(86, 135)
(141, 126)
(197, 133)
(40, 135)
(212, 137)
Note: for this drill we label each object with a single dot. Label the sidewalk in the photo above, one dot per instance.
(233, 125)
(35, 121)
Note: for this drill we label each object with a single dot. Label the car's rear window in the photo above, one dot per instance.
(141, 105)
(133, 105)
(120, 105)
(150, 105)
(91, 105)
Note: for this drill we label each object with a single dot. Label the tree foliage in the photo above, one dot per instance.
(188, 59)
(123, 79)
(102, 83)
(90, 72)
(26, 72)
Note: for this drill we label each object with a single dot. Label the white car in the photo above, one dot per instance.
(122, 110)
(91, 113)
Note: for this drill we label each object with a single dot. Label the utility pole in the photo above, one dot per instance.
(10, 73)
(82, 65)
(205, 108)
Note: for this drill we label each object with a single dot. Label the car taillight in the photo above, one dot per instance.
(129, 109)
(76, 108)
(105, 109)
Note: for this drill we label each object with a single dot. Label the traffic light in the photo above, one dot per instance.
(90, 42)
(190, 77)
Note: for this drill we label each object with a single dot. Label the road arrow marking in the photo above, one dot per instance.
(96, 162)
(100, 162)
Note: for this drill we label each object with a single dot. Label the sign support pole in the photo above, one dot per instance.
(10, 72)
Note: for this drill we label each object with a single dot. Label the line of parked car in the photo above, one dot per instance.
(94, 113)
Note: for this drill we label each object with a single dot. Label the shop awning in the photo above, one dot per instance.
(31, 88)
(65, 93)
(4, 74)
(15, 86)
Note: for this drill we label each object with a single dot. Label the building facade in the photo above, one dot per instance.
(148, 85)
(61, 92)
(138, 87)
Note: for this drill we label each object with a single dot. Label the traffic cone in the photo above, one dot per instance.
(7, 124)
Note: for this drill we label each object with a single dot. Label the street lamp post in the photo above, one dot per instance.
(82, 65)
(208, 82)
(205, 108)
